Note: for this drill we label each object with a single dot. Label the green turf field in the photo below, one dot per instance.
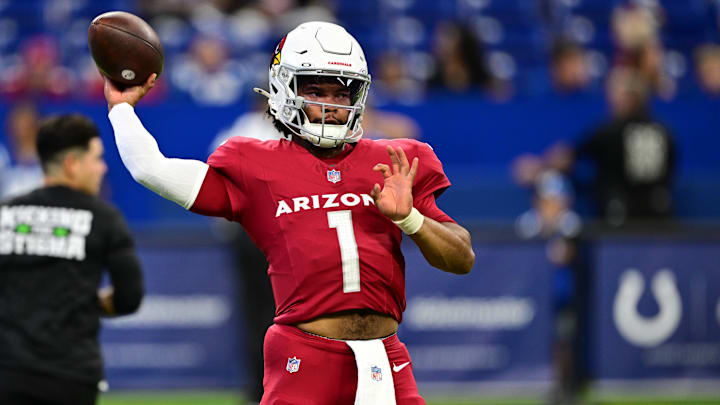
(229, 399)
(171, 399)
(222, 398)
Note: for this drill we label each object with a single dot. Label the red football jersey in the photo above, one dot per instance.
(328, 246)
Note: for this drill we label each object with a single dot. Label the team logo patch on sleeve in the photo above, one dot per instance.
(333, 176)
(376, 373)
(293, 365)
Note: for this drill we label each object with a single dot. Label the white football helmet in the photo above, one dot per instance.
(318, 49)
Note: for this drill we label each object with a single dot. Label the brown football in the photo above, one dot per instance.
(125, 48)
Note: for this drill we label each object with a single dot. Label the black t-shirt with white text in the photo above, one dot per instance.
(55, 243)
(634, 160)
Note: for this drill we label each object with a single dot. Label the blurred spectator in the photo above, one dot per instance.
(551, 212)
(633, 154)
(288, 14)
(636, 33)
(22, 171)
(208, 74)
(459, 59)
(569, 67)
(251, 27)
(552, 220)
(38, 72)
(707, 62)
(392, 81)
(379, 124)
(52, 297)
(185, 7)
(634, 26)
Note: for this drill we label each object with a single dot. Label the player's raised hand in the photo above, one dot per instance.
(394, 199)
(130, 95)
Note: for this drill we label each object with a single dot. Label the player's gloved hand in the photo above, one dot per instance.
(130, 95)
(394, 199)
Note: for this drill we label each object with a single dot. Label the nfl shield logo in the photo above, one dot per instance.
(293, 365)
(376, 373)
(333, 176)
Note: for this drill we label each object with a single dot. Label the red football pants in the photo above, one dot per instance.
(326, 373)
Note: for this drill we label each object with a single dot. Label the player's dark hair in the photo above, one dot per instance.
(282, 128)
(60, 133)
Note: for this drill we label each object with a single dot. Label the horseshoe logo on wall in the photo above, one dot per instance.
(638, 329)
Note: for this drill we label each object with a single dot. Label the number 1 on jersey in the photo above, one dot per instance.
(342, 222)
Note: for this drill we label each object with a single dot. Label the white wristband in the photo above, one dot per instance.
(412, 223)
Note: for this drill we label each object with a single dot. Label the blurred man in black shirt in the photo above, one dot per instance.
(55, 243)
(633, 155)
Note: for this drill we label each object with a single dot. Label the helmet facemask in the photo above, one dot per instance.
(291, 113)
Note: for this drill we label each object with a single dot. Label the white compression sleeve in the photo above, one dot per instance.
(178, 180)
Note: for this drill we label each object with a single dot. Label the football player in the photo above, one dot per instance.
(328, 209)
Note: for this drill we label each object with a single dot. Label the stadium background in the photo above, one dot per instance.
(487, 338)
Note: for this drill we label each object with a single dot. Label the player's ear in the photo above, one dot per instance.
(70, 164)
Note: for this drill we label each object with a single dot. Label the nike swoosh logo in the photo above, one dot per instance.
(400, 367)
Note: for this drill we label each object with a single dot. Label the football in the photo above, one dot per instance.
(125, 48)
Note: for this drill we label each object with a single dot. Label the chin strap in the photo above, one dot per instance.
(263, 92)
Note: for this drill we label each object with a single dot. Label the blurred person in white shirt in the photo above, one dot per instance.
(20, 169)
